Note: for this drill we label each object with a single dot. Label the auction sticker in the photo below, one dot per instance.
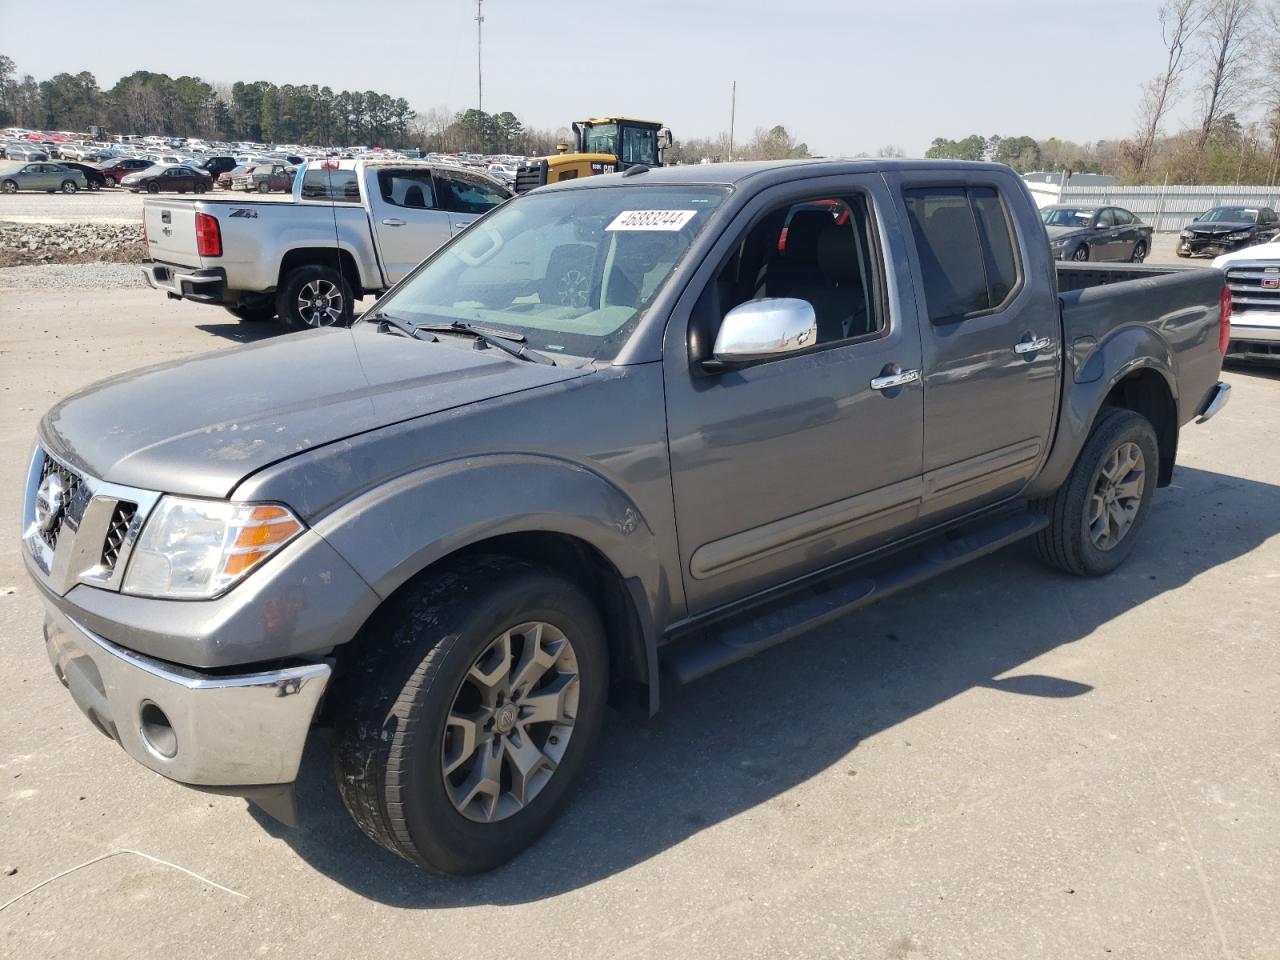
(651, 220)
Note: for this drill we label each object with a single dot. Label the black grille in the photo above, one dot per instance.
(1252, 287)
(121, 517)
(70, 483)
(530, 175)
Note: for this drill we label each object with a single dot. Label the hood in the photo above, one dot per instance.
(1219, 227)
(1061, 233)
(1259, 251)
(201, 425)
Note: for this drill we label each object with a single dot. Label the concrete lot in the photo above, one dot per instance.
(1003, 764)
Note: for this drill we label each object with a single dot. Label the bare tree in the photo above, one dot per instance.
(1179, 21)
(891, 151)
(1269, 78)
(1227, 33)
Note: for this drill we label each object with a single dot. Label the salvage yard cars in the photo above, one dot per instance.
(49, 177)
(609, 438)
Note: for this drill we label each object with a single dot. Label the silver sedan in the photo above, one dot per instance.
(40, 176)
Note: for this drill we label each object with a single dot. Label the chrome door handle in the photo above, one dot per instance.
(1032, 346)
(462, 224)
(392, 222)
(891, 380)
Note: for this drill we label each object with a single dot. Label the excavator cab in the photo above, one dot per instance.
(603, 145)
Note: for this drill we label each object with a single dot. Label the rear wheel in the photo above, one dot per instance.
(264, 187)
(1081, 253)
(473, 706)
(314, 296)
(1095, 516)
(1139, 252)
(69, 186)
(9, 186)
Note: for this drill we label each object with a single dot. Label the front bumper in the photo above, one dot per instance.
(1209, 246)
(205, 286)
(202, 729)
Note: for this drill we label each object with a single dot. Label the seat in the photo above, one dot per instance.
(839, 301)
(797, 263)
(413, 197)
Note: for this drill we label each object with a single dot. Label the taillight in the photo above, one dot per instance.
(208, 236)
(1224, 320)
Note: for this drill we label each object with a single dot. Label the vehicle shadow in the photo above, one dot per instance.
(753, 731)
(245, 331)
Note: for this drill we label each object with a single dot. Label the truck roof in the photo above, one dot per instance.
(729, 174)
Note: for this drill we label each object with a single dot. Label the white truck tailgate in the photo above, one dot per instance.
(171, 231)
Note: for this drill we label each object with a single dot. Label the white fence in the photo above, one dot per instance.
(1167, 209)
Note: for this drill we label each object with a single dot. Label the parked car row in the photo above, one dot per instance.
(1083, 233)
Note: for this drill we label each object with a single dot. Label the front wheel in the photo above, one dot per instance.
(153, 187)
(1095, 516)
(314, 296)
(1139, 252)
(470, 713)
(200, 188)
(69, 186)
(1081, 254)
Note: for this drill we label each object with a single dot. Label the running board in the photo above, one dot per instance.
(747, 633)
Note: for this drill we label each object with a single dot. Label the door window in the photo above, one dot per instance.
(1106, 218)
(460, 193)
(407, 188)
(1123, 217)
(964, 242)
(639, 146)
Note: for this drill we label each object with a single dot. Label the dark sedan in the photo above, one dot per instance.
(95, 177)
(121, 167)
(1095, 233)
(167, 178)
(1224, 229)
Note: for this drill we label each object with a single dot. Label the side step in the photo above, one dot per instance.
(746, 633)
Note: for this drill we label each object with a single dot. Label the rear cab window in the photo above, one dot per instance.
(339, 186)
(969, 260)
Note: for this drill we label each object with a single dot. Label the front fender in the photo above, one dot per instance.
(1093, 370)
(395, 530)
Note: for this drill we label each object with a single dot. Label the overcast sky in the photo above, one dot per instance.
(842, 76)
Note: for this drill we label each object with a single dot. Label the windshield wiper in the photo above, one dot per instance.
(493, 338)
(385, 320)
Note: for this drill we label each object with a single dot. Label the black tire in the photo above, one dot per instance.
(9, 186)
(264, 187)
(1081, 254)
(1067, 543)
(153, 187)
(395, 698)
(1181, 254)
(200, 188)
(254, 313)
(1139, 252)
(68, 186)
(325, 279)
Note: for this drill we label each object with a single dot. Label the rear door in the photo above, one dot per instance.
(1127, 234)
(991, 345)
(408, 221)
(467, 196)
(1105, 243)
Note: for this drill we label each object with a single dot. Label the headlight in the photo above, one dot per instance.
(1186, 234)
(1240, 235)
(1058, 244)
(197, 549)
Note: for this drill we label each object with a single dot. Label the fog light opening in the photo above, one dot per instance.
(157, 733)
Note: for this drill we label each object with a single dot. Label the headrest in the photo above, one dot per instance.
(803, 232)
(837, 254)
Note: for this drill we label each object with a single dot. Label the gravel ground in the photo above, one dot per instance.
(78, 275)
(111, 205)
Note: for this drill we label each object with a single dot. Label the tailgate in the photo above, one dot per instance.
(171, 231)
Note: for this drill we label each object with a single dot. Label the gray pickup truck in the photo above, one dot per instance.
(620, 433)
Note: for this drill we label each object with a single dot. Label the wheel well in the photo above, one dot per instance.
(589, 568)
(334, 257)
(1147, 393)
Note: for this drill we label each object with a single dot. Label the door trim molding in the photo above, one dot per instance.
(949, 480)
(728, 553)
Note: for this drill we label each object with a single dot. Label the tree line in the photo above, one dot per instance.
(1223, 56)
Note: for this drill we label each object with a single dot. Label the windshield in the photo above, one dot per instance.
(1067, 216)
(602, 138)
(573, 271)
(640, 145)
(1229, 215)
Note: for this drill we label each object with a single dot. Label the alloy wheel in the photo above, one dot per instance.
(1117, 496)
(510, 722)
(320, 303)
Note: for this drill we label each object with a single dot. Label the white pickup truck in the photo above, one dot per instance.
(351, 228)
(1253, 277)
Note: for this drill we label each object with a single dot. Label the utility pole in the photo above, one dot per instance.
(479, 62)
(733, 109)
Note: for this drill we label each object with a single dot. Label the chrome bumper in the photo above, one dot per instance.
(1255, 333)
(197, 728)
(206, 286)
(1216, 400)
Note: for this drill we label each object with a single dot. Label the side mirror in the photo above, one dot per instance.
(761, 329)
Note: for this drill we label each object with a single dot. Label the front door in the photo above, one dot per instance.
(990, 338)
(467, 196)
(407, 219)
(790, 465)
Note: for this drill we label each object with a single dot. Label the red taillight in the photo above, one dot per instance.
(208, 236)
(1224, 320)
